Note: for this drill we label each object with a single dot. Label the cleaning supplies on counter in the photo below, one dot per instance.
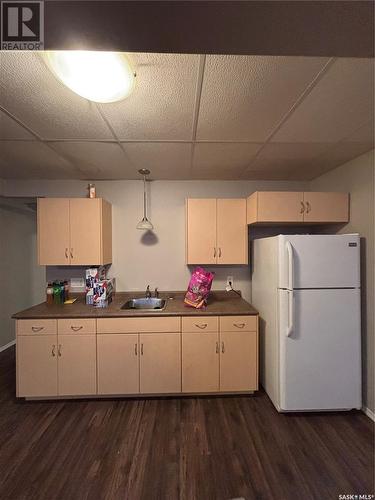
(199, 288)
(57, 292)
(99, 289)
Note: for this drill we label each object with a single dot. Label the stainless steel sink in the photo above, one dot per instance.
(147, 304)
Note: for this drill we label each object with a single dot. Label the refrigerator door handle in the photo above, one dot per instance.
(289, 329)
(289, 250)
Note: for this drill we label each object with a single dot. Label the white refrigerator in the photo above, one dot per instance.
(307, 291)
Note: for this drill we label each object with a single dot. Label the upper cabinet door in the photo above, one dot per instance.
(231, 231)
(85, 231)
(326, 207)
(275, 206)
(201, 231)
(53, 231)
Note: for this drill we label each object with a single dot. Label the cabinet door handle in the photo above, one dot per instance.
(66, 253)
(214, 253)
(219, 252)
(217, 348)
(36, 329)
(308, 207)
(136, 349)
(302, 207)
(76, 328)
(59, 350)
(53, 352)
(71, 253)
(141, 349)
(239, 325)
(202, 326)
(222, 348)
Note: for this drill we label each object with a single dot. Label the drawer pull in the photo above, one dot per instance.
(239, 325)
(222, 348)
(76, 328)
(37, 328)
(53, 352)
(202, 326)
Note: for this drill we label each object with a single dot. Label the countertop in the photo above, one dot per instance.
(219, 304)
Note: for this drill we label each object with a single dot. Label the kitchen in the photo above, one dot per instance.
(204, 198)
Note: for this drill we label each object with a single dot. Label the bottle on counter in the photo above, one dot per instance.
(49, 294)
(66, 290)
(56, 293)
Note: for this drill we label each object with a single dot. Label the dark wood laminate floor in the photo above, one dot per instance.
(188, 448)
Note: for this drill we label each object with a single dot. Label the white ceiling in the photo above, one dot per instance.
(189, 117)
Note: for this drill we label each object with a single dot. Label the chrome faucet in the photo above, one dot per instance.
(156, 293)
(148, 293)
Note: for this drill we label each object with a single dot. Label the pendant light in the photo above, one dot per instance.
(144, 224)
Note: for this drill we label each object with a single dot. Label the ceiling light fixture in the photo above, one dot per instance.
(97, 76)
(144, 224)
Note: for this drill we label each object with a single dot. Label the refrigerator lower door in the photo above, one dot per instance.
(320, 360)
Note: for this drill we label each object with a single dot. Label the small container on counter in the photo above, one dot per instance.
(92, 190)
(49, 294)
(66, 290)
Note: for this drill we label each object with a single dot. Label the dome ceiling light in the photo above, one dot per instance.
(97, 76)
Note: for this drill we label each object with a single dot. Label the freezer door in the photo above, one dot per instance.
(320, 361)
(320, 261)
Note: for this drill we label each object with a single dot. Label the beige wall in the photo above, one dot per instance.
(138, 259)
(22, 279)
(357, 177)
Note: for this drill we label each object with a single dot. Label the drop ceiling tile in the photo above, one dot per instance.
(165, 160)
(97, 160)
(161, 107)
(30, 92)
(33, 160)
(10, 129)
(213, 160)
(244, 97)
(341, 102)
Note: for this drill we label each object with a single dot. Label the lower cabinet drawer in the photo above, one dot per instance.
(238, 323)
(36, 326)
(76, 326)
(200, 324)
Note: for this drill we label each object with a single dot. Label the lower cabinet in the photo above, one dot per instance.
(160, 363)
(118, 363)
(37, 365)
(200, 362)
(238, 361)
(76, 365)
(148, 363)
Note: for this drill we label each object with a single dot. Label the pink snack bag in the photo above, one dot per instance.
(199, 288)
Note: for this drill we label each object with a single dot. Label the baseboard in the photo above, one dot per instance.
(6, 346)
(369, 413)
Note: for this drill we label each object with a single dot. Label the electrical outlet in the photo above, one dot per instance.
(230, 281)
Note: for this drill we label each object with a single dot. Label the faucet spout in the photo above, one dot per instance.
(148, 292)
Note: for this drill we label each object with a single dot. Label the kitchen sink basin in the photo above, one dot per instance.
(145, 304)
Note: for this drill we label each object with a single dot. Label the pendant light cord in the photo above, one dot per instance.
(144, 198)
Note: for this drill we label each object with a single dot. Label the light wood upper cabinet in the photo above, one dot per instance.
(231, 231)
(216, 231)
(74, 231)
(37, 365)
(238, 361)
(76, 365)
(201, 231)
(160, 363)
(118, 363)
(53, 231)
(282, 207)
(326, 207)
